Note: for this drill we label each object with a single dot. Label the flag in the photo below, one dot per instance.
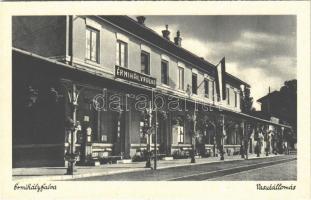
(217, 85)
(220, 80)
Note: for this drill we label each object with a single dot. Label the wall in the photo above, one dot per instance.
(232, 99)
(108, 37)
(43, 35)
(78, 38)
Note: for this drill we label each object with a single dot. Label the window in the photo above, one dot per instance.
(121, 54)
(92, 44)
(164, 72)
(206, 88)
(235, 99)
(180, 78)
(228, 96)
(194, 83)
(180, 134)
(145, 62)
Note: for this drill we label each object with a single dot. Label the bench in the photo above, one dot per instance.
(292, 152)
(109, 159)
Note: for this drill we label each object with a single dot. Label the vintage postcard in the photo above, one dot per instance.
(155, 100)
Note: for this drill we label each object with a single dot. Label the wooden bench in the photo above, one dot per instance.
(292, 152)
(109, 159)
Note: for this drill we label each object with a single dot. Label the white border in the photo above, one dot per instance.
(160, 190)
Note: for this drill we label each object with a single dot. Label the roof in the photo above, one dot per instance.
(132, 26)
(274, 94)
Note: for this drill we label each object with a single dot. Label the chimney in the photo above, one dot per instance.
(166, 33)
(141, 20)
(178, 39)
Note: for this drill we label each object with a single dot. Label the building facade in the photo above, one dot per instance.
(100, 74)
(281, 107)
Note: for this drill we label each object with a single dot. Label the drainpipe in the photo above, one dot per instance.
(71, 166)
(70, 40)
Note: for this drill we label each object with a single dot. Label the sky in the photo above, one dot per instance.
(260, 50)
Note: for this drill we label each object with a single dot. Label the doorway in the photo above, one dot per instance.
(119, 134)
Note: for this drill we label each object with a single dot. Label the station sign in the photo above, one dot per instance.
(129, 75)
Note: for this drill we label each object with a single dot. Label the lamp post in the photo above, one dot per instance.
(214, 143)
(242, 139)
(73, 96)
(222, 138)
(148, 130)
(282, 139)
(268, 138)
(192, 154)
(257, 139)
(246, 139)
(193, 138)
(156, 137)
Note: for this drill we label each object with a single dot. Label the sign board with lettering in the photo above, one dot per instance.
(133, 76)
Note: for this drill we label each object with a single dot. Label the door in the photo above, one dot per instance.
(119, 134)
